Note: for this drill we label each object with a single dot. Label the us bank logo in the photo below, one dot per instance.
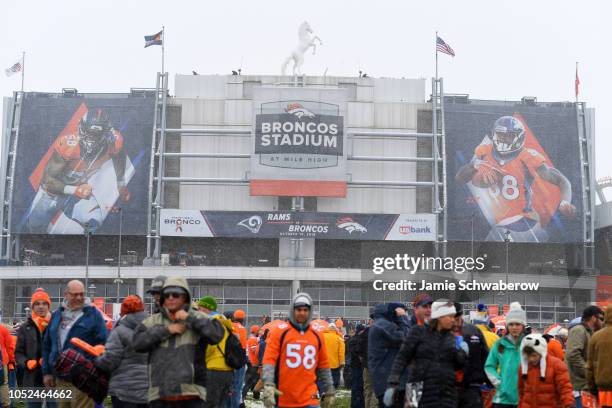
(299, 135)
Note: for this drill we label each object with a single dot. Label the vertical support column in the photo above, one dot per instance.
(140, 287)
(295, 287)
(150, 203)
(160, 168)
(444, 181)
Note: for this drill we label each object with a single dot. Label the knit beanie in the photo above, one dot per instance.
(539, 344)
(442, 307)
(208, 302)
(40, 294)
(516, 314)
(131, 304)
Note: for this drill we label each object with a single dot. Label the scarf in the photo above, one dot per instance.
(41, 322)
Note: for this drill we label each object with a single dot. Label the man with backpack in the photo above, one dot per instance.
(219, 374)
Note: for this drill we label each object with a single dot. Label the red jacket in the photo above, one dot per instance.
(7, 346)
(554, 392)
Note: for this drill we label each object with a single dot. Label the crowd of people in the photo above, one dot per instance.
(188, 354)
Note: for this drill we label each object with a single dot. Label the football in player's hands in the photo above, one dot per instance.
(567, 209)
(485, 176)
(83, 191)
(124, 193)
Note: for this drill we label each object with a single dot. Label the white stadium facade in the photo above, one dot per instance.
(252, 225)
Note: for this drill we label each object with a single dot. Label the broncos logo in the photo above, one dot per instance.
(348, 224)
(298, 110)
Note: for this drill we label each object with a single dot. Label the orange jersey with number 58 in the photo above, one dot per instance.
(512, 195)
(296, 356)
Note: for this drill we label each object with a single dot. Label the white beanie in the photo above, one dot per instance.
(442, 307)
(516, 314)
(539, 344)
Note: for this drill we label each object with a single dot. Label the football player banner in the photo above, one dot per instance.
(79, 159)
(514, 171)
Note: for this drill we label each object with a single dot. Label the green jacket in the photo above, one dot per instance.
(502, 368)
(576, 355)
(177, 365)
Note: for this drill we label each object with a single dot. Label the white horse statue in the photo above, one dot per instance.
(306, 40)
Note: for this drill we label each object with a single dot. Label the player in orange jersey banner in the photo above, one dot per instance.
(294, 359)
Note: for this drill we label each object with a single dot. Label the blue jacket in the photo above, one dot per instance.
(89, 327)
(384, 340)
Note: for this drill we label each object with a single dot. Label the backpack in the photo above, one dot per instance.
(234, 354)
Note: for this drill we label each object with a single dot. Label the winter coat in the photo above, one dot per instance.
(502, 368)
(127, 368)
(177, 365)
(473, 372)
(555, 349)
(353, 350)
(90, 328)
(435, 359)
(215, 360)
(554, 392)
(6, 345)
(489, 336)
(384, 340)
(576, 354)
(29, 347)
(334, 344)
(599, 365)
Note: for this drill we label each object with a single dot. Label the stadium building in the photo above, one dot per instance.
(257, 187)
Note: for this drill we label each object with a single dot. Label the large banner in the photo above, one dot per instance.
(513, 173)
(81, 161)
(298, 142)
(277, 224)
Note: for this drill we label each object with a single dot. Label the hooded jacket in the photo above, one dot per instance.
(335, 348)
(128, 368)
(384, 340)
(502, 369)
(90, 328)
(177, 367)
(598, 367)
(473, 372)
(435, 358)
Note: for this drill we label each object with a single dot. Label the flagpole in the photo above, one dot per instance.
(163, 45)
(576, 83)
(22, 70)
(436, 44)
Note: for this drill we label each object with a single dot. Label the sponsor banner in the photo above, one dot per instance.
(81, 162)
(604, 290)
(513, 173)
(278, 224)
(184, 223)
(301, 131)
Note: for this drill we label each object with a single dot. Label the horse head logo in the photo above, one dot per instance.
(297, 109)
(348, 224)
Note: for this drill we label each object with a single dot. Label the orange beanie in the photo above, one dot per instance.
(40, 294)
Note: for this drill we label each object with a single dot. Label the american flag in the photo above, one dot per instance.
(444, 47)
(17, 67)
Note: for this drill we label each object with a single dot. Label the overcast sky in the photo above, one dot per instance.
(504, 49)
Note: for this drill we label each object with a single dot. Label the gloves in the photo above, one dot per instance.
(269, 395)
(328, 400)
(31, 364)
(461, 344)
(83, 191)
(389, 396)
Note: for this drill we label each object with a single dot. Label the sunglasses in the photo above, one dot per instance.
(172, 295)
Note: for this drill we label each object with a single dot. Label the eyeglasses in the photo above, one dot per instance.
(172, 295)
(78, 294)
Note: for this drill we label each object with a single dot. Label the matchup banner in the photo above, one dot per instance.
(278, 224)
(513, 173)
(79, 160)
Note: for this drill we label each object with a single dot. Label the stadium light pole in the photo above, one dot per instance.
(87, 233)
(119, 281)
